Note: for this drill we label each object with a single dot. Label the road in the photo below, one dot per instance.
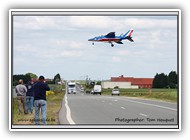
(88, 109)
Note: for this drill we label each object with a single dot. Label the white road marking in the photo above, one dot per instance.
(115, 100)
(122, 107)
(68, 111)
(164, 107)
(143, 114)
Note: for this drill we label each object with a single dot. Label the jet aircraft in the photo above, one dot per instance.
(111, 37)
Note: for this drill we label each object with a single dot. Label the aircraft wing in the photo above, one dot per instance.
(119, 42)
(110, 35)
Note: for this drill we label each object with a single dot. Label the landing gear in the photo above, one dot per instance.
(92, 43)
(112, 45)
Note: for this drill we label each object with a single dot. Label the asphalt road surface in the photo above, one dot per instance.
(88, 109)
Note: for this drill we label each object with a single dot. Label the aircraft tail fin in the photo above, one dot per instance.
(128, 35)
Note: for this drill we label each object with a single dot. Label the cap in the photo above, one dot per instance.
(41, 77)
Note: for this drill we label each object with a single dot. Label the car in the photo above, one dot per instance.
(82, 89)
(92, 91)
(97, 89)
(115, 92)
(87, 91)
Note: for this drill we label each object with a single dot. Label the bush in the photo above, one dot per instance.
(116, 87)
(49, 93)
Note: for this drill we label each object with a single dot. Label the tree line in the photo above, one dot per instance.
(165, 81)
(28, 76)
(160, 80)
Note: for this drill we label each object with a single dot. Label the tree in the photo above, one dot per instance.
(57, 78)
(25, 78)
(160, 81)
(155, 81)
(164, 81)
(172, 79)
(98, 83)
(32, 75)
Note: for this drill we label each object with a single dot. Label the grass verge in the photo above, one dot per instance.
(169, 95)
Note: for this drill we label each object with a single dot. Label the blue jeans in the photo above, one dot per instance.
(29, 103)
(40, 104)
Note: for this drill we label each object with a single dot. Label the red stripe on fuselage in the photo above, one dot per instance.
(110, 39)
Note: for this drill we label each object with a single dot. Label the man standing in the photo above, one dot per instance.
(30, 96)
(21, 96)
(40, 89)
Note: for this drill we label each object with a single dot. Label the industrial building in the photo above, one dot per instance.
(125, 85)
(128, 82)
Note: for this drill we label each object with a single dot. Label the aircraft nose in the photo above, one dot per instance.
(91, 39)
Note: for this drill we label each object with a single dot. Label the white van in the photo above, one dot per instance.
(71, 87)
(97, 89)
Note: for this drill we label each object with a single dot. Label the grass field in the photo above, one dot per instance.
(158, 94)
(54, 101)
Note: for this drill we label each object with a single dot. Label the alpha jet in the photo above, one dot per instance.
(111, 37)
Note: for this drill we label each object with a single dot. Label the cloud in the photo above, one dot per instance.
(132, 54)
(42, 52)
(28, 48)
(71, 53)
(62, 41)
(105, 22)
(148, 23)
(76, 45)
(116, 59)
(34, 22)
(45, 21)
(99, 22)
(67, 44)
(125, 52)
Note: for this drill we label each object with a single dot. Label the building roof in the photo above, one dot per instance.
(141, 81)
(134, 81)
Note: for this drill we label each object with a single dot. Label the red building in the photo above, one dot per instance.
(141, 82)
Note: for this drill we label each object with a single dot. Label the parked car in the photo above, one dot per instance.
(92, 91)
(81, 89)
(87, 91)
(115, 92)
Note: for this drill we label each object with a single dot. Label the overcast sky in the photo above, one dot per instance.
(47, 45)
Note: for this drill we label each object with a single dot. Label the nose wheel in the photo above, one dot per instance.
(112, 45)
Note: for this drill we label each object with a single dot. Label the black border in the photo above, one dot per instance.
(98, 13)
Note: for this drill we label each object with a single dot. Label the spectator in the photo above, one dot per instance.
(21, 96)
(30, 97)
(40, 89)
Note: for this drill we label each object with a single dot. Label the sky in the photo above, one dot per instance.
(47, 45)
